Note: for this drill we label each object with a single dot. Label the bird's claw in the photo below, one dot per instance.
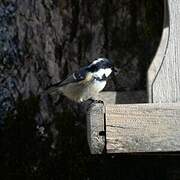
(96, 101)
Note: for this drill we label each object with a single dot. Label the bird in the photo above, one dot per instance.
(86, 83)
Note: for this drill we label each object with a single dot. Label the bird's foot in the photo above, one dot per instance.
(95, 101)
(90, 102)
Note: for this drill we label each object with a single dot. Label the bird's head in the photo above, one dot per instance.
(101, 68)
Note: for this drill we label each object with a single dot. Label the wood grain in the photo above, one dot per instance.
(164, 72)
(95, 126)
(143, 128)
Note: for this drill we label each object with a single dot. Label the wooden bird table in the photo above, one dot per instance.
(144, 127)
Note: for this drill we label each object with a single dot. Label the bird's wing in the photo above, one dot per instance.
(75, 77)
(54, 88)
(69, 79)
(81, 76)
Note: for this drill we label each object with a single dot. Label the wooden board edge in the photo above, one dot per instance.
(95, 128)
(160, 54)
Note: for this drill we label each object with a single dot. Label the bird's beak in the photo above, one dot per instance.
(115, 70)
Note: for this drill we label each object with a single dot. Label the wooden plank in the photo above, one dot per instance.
(116, 97)
(95, 128)
(143, 128)
(164, 72)
(95, 116)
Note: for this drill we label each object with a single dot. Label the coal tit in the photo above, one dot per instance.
(86, 83)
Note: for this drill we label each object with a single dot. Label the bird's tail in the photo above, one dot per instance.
(53, 90)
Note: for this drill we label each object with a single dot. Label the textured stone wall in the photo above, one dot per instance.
(41, 41)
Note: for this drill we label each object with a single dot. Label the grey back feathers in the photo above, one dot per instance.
(75, 77)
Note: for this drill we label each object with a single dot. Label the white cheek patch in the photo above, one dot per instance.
(99, 73)
(107, 71)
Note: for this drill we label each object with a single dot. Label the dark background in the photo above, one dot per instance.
(41, 42)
